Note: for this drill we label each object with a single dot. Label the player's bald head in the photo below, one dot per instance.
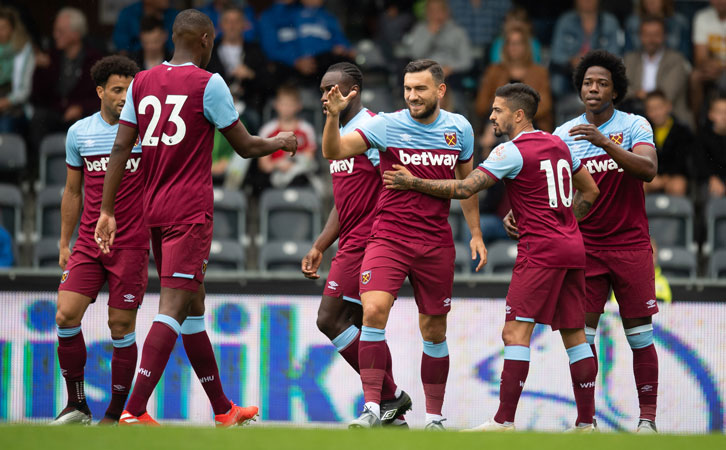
(190, 24)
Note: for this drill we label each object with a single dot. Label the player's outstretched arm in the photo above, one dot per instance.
(311, 262)
(642, 162)
(470, 208)
(336, 146)
(120, 152)
(249, 146)
(70, 212)
(402, 180)
(586, 194)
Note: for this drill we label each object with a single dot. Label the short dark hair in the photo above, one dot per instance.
(290, 90)
(432, 66)
(720, 97)
(191, 20)
(520, 96)
(656, 94)
(613, 63)
(652, 19)
(351, 70)
(112, 65)
(151, 23)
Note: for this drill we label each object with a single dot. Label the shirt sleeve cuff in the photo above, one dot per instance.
(74, 167)
(643, 143)
(229, 127)
(578, 169)
(491, 175)
(127, 123)
(363, 135)
(463, 160)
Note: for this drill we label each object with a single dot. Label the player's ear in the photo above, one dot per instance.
(99, 91)
(442, 90)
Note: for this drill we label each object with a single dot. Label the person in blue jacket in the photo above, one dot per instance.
(128, 25)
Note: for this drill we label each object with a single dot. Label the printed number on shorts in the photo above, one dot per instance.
(155, 103)
(562, 167)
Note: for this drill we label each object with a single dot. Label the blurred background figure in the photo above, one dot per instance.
(709, 57)
(677, 28)
(17, 62)
(153, 37)
(127, 32)
(515, 17)
(712, 152)
(214, 10)
(517, 66)
(481, 19)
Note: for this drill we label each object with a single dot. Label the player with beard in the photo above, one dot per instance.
(617, 149)
(548, 280)
(411, 235)
(174, 109)
(356, 185)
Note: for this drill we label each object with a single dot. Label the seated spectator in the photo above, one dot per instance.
(17, 62)
(577, 32)
(62, 86)
(242, 64)
(657, 67)
(516, 66)
(127, 32)
(677, 28)
(709, 56)
(283, 170)
(153, 37)
(712, 152)
(674, 144)
(6, 249)
(441, 39)
(391, 25)
(481, 19)
(517, 16)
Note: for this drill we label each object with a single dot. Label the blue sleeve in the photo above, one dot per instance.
(128, 113)
(338, 38)
(641, 132)
(374, 132)
(504, 161)
(467, 143)
(373, 156)
(73, 155)
(218, 103)
(575, 161)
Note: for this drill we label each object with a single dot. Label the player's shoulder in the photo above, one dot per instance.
(629, 120)
(563, 130)
(455, 119)
(503, 151)
(85, 125)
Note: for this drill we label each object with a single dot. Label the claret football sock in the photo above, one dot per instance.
(72, 361)
(645, 368)
(434, 373)
(514, 375)
(157, 348)
(583, 372)
(373, 358)
(201, 356)
(123, 366)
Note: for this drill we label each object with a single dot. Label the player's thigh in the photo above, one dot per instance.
(121, 321)
(343, 277)
(127, 271)
(597, 281)
(84, 274)
(570, 310)
(71, 307)
(184, 252)
(633, 278)
(432, 279)
(385, 266)
(532, 294)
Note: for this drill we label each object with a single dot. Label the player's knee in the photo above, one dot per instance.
(120, 326)
(373, 312)
(325, 323)
(67, 318)
(514, 336)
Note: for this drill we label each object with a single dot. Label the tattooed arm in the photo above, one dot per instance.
(402, 180)
(586, 194)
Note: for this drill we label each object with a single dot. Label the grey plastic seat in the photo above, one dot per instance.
(52, 161)
(717, 264)
(48, 212)
(716, 224)
(46, 252)
(230, 212)
(501, 257)
(11, 211)
(289, 215)
(226, 254)
(462, 263)
(677, 262)
(283, 256)
(670, 220)
(459, 228)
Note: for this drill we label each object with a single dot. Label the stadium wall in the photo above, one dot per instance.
(271, 354)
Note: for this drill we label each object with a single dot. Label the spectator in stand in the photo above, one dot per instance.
(17, 63)
(214, 10)
(657, 67)
(127, 32)
(709, 56)
(712, 140)
(441, 39)
(153, 37)
(517, 66)
(577, 32)
(481, 19)
(516, 16)
(674, 144)
(391, 25)
(243, 66)
(677, 28)
(279, 40)
(493, 202)
(62, 86)
(283, 170)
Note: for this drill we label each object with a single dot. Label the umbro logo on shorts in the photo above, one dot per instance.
(129, 298)
(646, 388)
(508, 309)
(64, 276)
(332, 285)
(447, 302)
(365, 277)
(651, 303)
(119, 387)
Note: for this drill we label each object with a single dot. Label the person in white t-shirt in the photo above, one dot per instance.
(709, 44)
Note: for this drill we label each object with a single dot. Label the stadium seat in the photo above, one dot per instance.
(462, 263)
(369, 57)
(48, 212)
(671, 220)
(230, 209)
(377, 98)
(501, 257)
(283, 256)
(226, 254)
(13, 157)
(459, 229)
(52, 161)
(46, 252)
(717, 264)
(289, 215)
(11, 211)
(677, 262)
(716, 223)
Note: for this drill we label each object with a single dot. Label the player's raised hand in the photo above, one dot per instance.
(399, 179)
(105, 232)
(589, 132)
(65, 254)
(288, 141)
(478, 248)
(311, 263)
(510, 226)
(336, 102)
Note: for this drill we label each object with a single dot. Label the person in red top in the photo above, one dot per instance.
(548, 280)
(174, 108)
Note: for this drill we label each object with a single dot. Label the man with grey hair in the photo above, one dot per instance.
(60, 94)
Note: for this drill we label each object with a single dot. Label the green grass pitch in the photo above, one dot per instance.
(182, 438)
